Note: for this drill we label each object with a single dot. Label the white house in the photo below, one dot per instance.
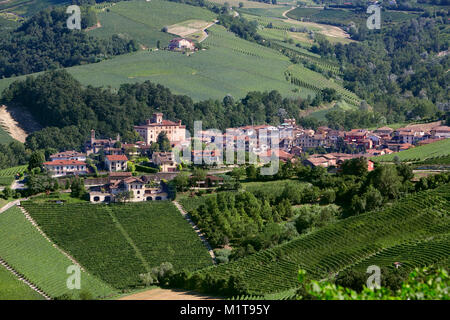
(116, 162)
(59, 168)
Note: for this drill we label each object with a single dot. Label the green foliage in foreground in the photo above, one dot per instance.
(117, 243)
(422, 284)
(30, 254)
(382, 238)
(11, 288)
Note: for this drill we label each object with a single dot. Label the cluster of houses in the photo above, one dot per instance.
(292, 141)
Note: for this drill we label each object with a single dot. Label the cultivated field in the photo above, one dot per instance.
(230, 65)
(30, 254)
(119, 242)
(144, 21)
(28, 7)
(414, 231)
(7, 175)
(432, 150)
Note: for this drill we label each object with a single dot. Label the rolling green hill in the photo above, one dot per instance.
(229, 66)
(432, 150)
(415, 231)
(4, 136)
(143, 21)
(119, 242)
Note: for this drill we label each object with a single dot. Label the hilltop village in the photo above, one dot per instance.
(159, 137)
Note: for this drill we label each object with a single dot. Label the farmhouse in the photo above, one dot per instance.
(180, 44)
(59, 168)
(176, 132)
(95, 145)
(166, 160)
(116, 162)
(140, 188)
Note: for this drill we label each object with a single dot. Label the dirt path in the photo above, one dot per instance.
(328, 30)
(98, 25)
(197, 230)
(164, 294)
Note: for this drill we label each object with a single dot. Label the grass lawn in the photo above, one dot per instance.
(4, 136)
(11, 288)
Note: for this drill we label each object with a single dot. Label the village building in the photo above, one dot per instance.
(116, 163)
(68, 155)
(165, 160)
(176, 132)
(59, 168)
(140, 188)
(96, 145)
(441, 132)
(181, 44)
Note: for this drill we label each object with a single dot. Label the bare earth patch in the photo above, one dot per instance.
(164, 294)
(17, 122)
(326, 30)
(194, 29)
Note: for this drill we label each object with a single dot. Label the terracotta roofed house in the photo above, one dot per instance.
(59, 168)
(116, 162)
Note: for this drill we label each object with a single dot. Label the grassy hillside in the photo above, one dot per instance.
(397, 234)
(432, 150)
(27, 8)
(11, 288)
(229, 66)
(7, 175)
(4, 136)
(30, 254)
(117, 243)
(143, 21)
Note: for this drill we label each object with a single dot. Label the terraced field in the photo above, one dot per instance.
(414, 231)
(30, 254)
(117, 243)
(306, 78)
(432, 150)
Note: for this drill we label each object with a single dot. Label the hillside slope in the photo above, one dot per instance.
(414, 231)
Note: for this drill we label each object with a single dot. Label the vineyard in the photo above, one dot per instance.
(117, 243)
(30, 254)
(400, 233)
(7, 176)
(432, 150)
(304, 77)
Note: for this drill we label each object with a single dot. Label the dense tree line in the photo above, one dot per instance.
(397, 71)
(44, 42)
(68, 111)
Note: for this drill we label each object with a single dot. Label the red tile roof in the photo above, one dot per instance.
(120, 157)
(64, 163)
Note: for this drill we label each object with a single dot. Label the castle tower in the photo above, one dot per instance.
(92, 137)
(157, 117)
